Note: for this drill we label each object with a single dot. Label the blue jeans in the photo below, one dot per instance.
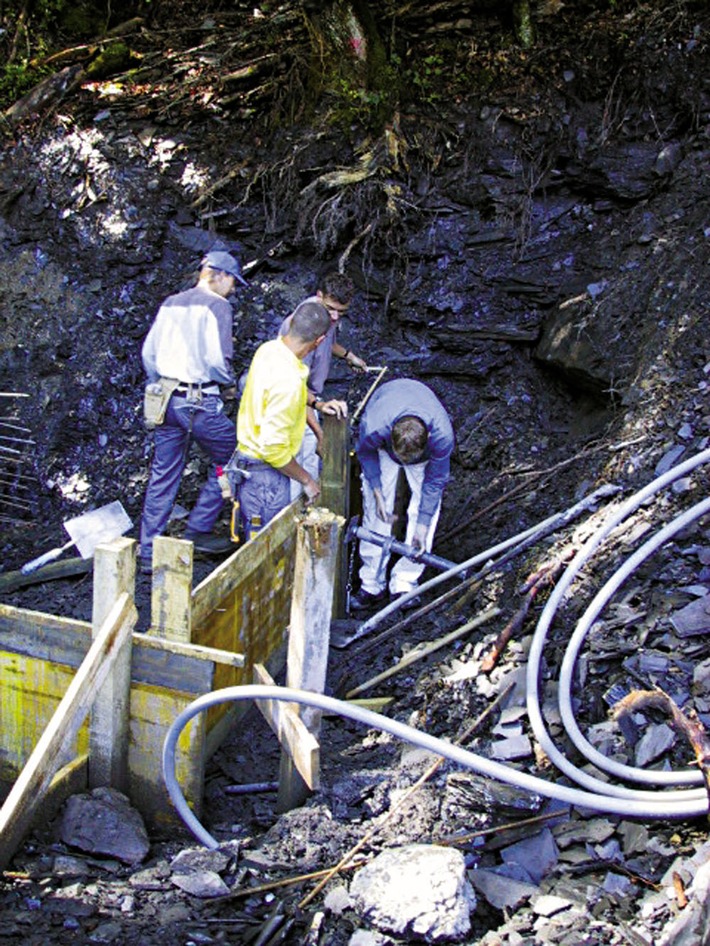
(215, 433)
(265, 493)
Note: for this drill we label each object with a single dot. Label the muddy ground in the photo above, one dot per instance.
(537, 253)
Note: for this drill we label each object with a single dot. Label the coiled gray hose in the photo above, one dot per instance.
(600, 796)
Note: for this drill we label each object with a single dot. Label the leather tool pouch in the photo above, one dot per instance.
(155, 401)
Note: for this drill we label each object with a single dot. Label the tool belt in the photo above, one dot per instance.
(155, 401)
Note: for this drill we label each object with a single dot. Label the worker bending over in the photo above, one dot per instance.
(403, 426)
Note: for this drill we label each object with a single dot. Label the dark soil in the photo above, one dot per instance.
(537, 253)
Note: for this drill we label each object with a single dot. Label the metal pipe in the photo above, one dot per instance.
(399, 548)
(522, 538)
(601, 599)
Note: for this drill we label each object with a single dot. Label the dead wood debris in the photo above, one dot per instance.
(542, 578)
(688, 725)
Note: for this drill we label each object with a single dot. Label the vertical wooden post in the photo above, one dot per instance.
(171, 601)
(335, 493)
(114, 575)
(309, 631)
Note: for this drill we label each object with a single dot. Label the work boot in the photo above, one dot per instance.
(364, 601)
(207, 543)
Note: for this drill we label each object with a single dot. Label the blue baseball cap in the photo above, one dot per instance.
(220, 259)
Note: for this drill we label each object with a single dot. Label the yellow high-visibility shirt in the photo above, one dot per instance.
(272, 412)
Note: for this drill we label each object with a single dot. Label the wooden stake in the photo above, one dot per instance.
(309, 631)
(335, 494)
(171, 598)
(114, 575)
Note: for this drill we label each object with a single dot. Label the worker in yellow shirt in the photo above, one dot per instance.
(272, 417)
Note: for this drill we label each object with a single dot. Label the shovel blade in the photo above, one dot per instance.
(99, 525)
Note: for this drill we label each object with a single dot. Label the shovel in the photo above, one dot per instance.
(86, 532)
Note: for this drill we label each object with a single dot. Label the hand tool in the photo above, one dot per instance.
(363, 402)
(386, 542)
(86, 532)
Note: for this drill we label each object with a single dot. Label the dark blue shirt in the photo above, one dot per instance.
(387, 405)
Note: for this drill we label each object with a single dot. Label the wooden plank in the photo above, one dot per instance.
(244, 606)
(114, 575)
(159, 663)
(196, 651)
(18, 809)
(210, 593)
(309, 631)
(30, 693)
(292, 733)
(335, 494)
(67, 568)
(43, 636)
(171, 604)
(153, 711)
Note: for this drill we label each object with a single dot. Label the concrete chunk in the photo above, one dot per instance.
(421, 890)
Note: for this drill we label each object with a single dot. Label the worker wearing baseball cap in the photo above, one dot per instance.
(189, 349)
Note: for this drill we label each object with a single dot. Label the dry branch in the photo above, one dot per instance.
(541, 579)
(690, 726)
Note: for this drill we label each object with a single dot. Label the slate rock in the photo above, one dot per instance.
(337, 900)
(514, 747)
(419, 889)
(550, 904)
(654, 742)
(693, 619)
(369, 938)
(202, 883)
(501, 891)
(536, 855)
(192, 860)
(104, 822)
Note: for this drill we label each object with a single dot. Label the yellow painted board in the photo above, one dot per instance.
(30, 692)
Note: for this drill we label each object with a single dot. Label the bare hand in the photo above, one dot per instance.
(338, 409)
(382, 510)
(357, 364)
(311, 488)
(419, 538)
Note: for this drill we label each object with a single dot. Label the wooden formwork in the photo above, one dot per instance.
(78, 717)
